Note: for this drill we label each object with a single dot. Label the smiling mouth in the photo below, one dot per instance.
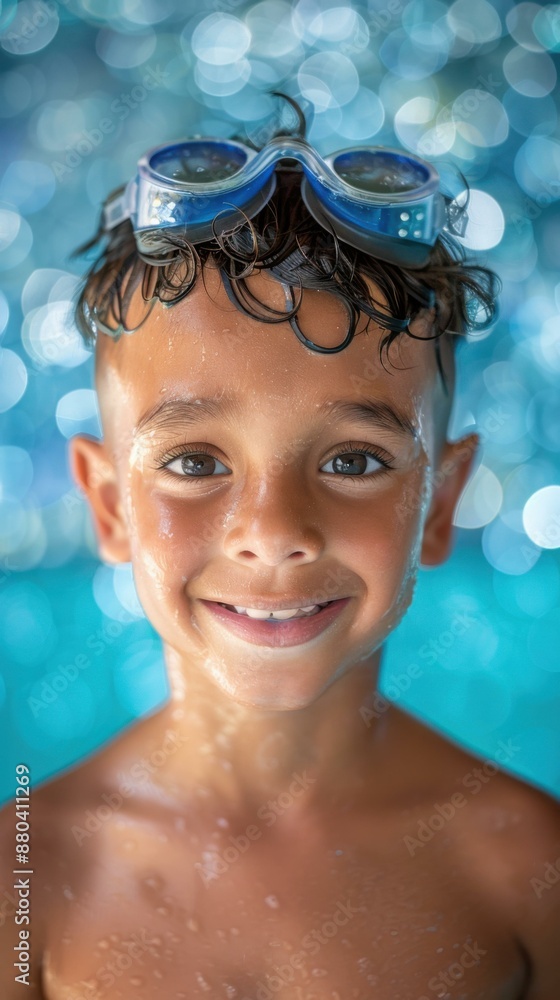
(276, 616)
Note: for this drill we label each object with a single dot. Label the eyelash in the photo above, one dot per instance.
(349, 447)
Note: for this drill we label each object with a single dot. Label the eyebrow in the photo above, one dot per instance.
(179, 413)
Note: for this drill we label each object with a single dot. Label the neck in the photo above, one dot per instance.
(241, 756)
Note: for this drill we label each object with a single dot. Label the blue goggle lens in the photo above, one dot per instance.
(198, 162)
(379, 200)
(380, 173)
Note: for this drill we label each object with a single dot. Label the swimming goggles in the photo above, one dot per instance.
(387, 202)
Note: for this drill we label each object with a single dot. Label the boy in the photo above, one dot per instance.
(277, 829)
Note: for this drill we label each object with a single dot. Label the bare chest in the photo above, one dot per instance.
(140, 914)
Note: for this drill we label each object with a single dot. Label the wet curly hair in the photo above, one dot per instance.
(284, 238)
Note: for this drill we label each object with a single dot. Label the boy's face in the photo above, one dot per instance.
(273, 516)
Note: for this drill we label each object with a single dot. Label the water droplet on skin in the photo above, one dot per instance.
(222, 821)
(163, 911)
(438, 951)
(67, 892)
(136, 981)
(318, 972)
(202, 982)
(272, 902)
(114, 938)
(155, 883)
(157, 973)
(193, 925)
(234, 930)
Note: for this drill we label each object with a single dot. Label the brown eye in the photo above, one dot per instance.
(194, 465)
(353, 463)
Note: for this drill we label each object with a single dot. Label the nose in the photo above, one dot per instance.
(272, 524)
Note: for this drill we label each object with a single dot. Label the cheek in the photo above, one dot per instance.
(383, 538)
(169, 540)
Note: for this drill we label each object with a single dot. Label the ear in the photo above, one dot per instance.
(455, 465)
(95, 474)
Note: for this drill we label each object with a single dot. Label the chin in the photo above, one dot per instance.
(270, 692)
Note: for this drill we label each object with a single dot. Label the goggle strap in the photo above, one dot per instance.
(454, 188)
(114, 212)
(119, 206)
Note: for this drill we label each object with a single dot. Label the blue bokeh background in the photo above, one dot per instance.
(85, 87)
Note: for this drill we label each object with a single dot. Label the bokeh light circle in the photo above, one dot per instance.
(220, 39)
(507, 550)
(363, 116)
(32, 28)
(273, 37)
(327, 79)
(77, 412)
(541, 517)
(481, 500)
(124, 50)
(486, 224)
(16, 238)
(475, 21)
(520, 20)
(13, 379)
(531, 73)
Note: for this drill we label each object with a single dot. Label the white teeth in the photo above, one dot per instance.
(277, 615)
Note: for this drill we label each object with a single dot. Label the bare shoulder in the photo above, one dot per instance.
(532, 853)
(506, 833)
(38, 826)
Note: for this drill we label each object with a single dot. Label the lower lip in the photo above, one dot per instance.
(268, 633)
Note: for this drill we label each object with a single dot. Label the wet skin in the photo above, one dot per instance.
(169, 894)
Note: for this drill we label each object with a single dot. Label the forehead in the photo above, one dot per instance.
(206, 346)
